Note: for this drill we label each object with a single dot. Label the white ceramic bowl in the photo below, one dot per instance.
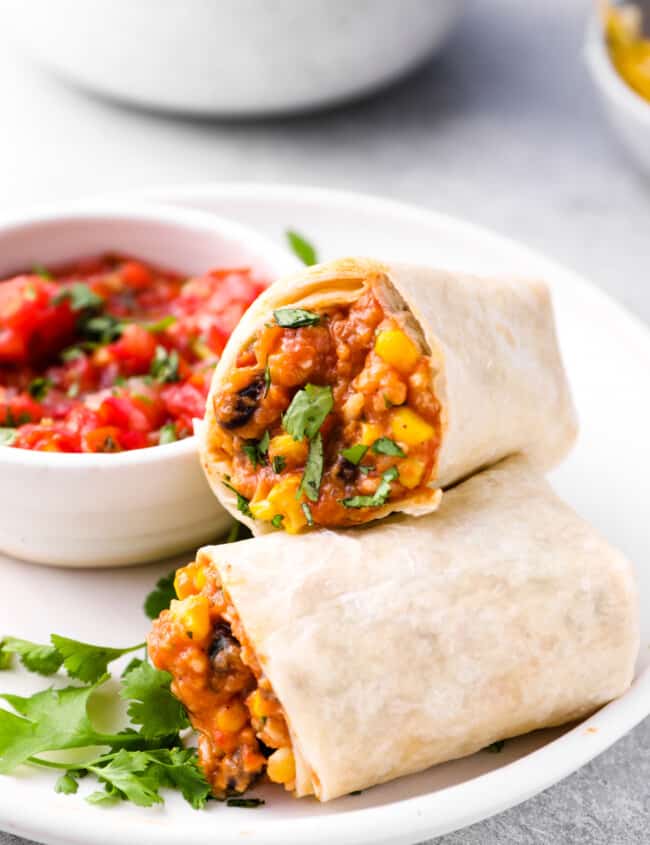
(131, 507)
(628, 112)
(230, 57)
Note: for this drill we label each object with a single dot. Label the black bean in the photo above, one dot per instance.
(221, 638)
(243, 404)
(345, 470)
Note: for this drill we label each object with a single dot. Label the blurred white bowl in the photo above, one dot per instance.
(129, 507)
(629, 113)
(231, 57)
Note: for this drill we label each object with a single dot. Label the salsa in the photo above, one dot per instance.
(110, 353)
(327, 417)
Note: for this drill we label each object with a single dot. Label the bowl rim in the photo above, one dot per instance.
(108, 211)
(607, 77)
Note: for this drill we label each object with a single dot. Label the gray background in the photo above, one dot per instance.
(503, 129)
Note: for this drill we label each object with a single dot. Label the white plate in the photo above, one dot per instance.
(607, 479)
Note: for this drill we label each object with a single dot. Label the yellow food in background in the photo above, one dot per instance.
(628, 48)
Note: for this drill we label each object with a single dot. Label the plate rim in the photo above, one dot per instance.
(465, 803)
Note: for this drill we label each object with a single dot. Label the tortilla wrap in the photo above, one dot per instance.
(410, 642)
(495, 364)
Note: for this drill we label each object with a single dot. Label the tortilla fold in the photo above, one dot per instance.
(496, 367)
(410, 642)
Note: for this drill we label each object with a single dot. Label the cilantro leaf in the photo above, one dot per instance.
(179, 769)
(354, 454)
(279, 462)
(295, 318)
(242, 501)
(313, 474)
(87, 662)
(153, 706)
(386, 446)
(307, 411)
(128, 773)
(7, 436)
(49, 720)
(276, 522)
(71, 353)
(38, 387)
(66, 784)
(379, 497)
(44, 659)
(302, 248)
(160, 597)
(164, 367)
(308, 514)
(81, 297)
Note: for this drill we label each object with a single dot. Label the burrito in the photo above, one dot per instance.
(333, 661)
(354, 389)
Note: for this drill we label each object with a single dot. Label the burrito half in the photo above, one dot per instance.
(335, 661)
(354, 389)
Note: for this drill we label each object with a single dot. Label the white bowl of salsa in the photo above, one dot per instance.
(111, 320)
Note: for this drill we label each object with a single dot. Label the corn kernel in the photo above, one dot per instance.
(293, 451)
(281, 766)
(232, 717)
(410, 472)
(409, 428)
(369, 433)
(397, 349)
(282, 500)
(258, 705)
(189, 580)
(193, 613)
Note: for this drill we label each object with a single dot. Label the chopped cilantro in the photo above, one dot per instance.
(38, 387)
(167, 434)
(242, 501)
(101, 329)
(302, 248)
(80, 296)
(386, 446)
(7, 436)
(160, 325)
(312, 476)
(279, 462)
(276, 522)
(257, 450)
(379, 497)
(245, 803)
(71, 353)
(307, 411)
(354, 454)
(307, 512)
(295, 318)
(164, 367)
(43, 272)
(267, 379)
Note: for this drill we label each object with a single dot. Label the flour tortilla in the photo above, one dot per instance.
(497, 370)
(410, 642)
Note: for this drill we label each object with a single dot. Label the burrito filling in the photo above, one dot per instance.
(216, 675)
(328, 416)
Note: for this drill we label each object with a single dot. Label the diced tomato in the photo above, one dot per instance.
(184, 400)
(136, 274)
(134, 351)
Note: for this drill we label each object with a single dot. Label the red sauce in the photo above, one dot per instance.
(110, 353)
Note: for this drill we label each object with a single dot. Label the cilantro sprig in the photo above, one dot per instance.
(295, 318)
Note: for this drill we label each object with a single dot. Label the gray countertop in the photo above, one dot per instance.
(504, 129)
